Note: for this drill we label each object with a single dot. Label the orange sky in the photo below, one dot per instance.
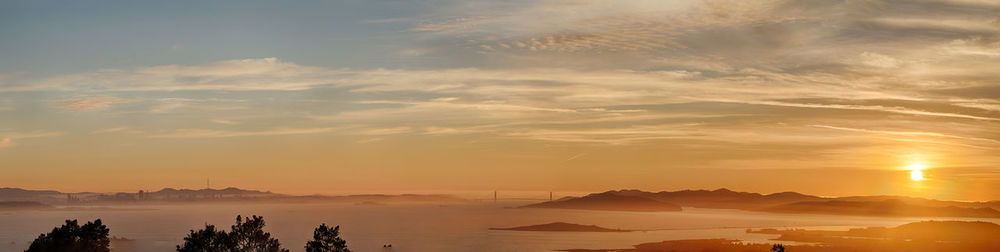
(825, 98)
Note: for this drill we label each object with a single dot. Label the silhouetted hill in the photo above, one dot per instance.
(923, 202)
(23, 205)
(960, 231)
(953, 232)
(231, 192)
(889, 207)
(228, 190)
(721, 198)
(562, 227)
(725, 198)
(9, 192)
(18, 194)
(172, 195)
(611, 201)
(384, 197)
(783, 202)
(925, 236)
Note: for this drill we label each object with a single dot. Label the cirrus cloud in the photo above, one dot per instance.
(90, 103)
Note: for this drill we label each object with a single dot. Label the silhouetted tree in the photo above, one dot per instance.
(247, 235)
(326, 239)
(778, 248)
(206, 240)
(71, 237)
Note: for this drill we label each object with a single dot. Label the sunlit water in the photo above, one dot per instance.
(425, 227)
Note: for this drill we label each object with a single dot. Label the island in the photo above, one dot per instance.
(562, 227)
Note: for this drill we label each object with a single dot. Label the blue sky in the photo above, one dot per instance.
(67, 36)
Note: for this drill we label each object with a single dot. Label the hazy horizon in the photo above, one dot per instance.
(507, 195)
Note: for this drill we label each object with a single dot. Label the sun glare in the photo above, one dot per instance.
(917, 175)
(916, 171)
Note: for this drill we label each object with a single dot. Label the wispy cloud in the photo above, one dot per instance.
(523, 103)
(433, 130)
(909, 133)
(224, 121)
(450, 24)
(244, 74)
(601, 72)
(385, 131)
(90, 103)
(574, 157)
(10, 139)
(899, 110)
(208, 133)
(118, 130)
(617, 136)
(369, 140)
(186, 105)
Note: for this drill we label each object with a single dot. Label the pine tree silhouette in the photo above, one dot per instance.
(71, 237)
(326, 239)
(247, 235)
(778, 248)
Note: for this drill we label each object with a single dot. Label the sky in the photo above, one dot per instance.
(824, 97)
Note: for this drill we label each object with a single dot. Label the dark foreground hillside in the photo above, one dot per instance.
(926, 236)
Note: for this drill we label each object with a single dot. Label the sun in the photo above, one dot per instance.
(916, 173)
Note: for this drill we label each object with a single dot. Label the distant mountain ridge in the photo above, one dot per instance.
(611, 201)
(228, 190)
(23, 205)
(10, 192)
(783, 202)
(167, 195)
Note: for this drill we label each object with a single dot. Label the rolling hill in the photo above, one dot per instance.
(610, 201)
(784, 202)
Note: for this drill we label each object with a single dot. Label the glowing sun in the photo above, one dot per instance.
(915, 171)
